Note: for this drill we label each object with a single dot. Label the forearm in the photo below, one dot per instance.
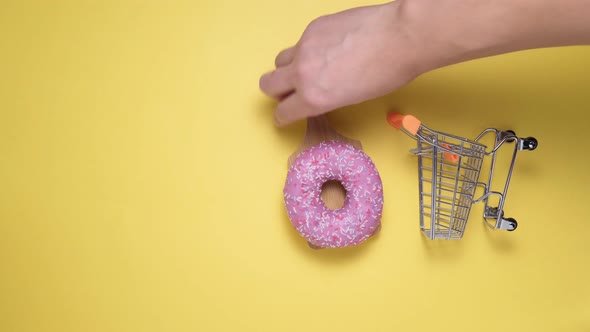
(367, 52)
(444, 32)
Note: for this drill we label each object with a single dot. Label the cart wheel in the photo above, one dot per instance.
(509, 133)
(512, 223)
(530, 143)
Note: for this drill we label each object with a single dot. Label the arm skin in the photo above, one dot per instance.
(367, 52)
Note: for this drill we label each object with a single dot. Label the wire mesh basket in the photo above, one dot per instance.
(448, 172)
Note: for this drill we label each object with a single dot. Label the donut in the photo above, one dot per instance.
(361, 214)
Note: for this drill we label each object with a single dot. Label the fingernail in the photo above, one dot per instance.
(261, 82)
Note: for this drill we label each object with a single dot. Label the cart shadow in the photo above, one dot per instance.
(499, 241)
(443, 249)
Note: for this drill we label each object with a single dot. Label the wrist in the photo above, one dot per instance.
(448, 32)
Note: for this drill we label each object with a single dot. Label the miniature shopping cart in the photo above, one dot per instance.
(448, 171)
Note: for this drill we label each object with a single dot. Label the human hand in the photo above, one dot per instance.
(341, 59)
(363, 53)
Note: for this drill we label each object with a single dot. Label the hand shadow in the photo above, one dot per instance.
(265, 111)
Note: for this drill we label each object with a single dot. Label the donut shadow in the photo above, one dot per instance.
(324, 255)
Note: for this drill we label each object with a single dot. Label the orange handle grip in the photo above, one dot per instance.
(409, 122)
(448, 155)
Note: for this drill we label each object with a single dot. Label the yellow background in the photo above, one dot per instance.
(141, 182)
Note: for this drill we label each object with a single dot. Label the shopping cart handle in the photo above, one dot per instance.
(408, 122)
(452, 157)
(411, 125)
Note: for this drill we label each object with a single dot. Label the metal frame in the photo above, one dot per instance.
(449, 167)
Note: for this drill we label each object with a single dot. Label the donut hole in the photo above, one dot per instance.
(333, 194)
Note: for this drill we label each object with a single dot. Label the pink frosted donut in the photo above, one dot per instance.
(361, 213)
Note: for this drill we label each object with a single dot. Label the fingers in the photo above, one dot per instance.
(278, 83)
(285, 57)
(291, 109)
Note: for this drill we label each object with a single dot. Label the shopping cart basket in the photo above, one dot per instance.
(448, 170)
